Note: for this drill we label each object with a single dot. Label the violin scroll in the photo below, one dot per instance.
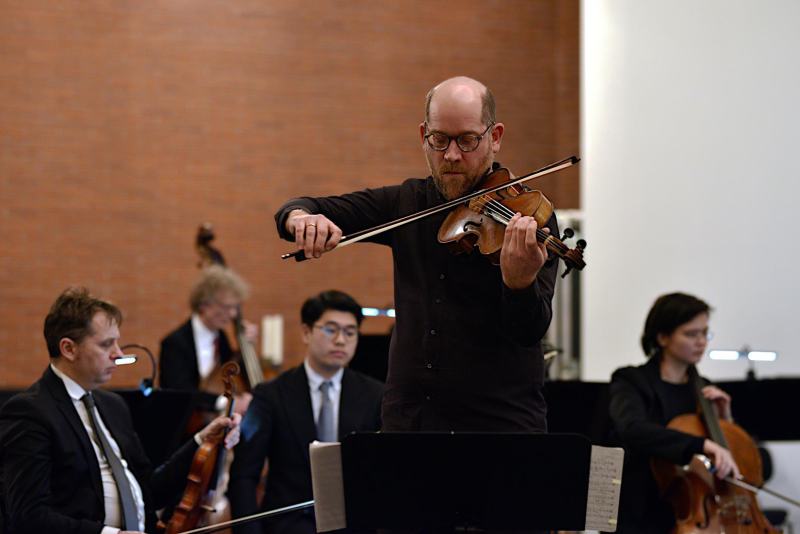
(573, 258)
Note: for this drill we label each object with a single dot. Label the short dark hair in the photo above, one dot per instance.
(668, 313)
(71, 316)
(314, 307)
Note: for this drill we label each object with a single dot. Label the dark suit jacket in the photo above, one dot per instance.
(279, 425)
(177, 362)
(637, 414)
(50, 478)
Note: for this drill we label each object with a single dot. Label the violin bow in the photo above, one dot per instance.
(299, 255)
(744, 484)
(755, 489)
(246, 519)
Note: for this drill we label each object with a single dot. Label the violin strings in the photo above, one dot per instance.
(506, 214)
(503, 214)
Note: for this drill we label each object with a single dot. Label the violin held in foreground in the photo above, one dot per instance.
(492, 206)
(481, 222)
(207, 464)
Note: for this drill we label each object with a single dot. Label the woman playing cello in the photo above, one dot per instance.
(646, 398)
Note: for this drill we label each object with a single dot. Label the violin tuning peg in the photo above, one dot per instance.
(581, 244)
(568, 232)
(566, 272)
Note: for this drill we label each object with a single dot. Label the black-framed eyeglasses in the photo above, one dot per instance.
(332, 330)
(466, 142)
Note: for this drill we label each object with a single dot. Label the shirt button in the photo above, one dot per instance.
(433, 332)
(429, 365)
(427, 397)
(441, 276)
(438, 301)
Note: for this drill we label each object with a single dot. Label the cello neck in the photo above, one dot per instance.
(707, 411)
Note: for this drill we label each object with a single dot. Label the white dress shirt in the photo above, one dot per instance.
(315, 380)
(204, 345)
(113, 509)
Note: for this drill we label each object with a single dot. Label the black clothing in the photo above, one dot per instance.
(678, 399)
(638, 413)
(50, 475)
(278, 426)
(465, 353)
(177, 363)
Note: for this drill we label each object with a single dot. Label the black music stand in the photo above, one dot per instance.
(465, 481)
(159, 419)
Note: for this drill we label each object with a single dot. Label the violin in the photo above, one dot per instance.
(703, 503)
(208, 461)
(494, 204)
(481, 221)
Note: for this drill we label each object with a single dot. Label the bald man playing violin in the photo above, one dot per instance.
(465, 352)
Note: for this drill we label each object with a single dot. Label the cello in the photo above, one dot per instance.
(701, 502)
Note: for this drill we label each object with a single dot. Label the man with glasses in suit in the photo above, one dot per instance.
(319, 400)
(192, 355)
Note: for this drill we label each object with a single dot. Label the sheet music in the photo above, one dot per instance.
(605, 483)
(326, 482)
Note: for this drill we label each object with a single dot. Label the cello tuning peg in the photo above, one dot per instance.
(568, 232)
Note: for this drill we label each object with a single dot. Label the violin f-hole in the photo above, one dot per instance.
(470, 226)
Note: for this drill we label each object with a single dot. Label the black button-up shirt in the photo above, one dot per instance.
(465, 353)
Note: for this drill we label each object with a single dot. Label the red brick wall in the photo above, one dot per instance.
(123, 125)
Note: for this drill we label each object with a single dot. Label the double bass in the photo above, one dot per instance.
(203, 500)
(701, 502)
(212, 256)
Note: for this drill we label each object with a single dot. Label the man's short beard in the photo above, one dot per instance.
(451, 189)
(465, 185)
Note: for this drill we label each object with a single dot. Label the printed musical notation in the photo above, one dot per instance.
(605, 483)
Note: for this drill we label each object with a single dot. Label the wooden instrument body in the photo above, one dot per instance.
(471, 225)
(704, 504)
